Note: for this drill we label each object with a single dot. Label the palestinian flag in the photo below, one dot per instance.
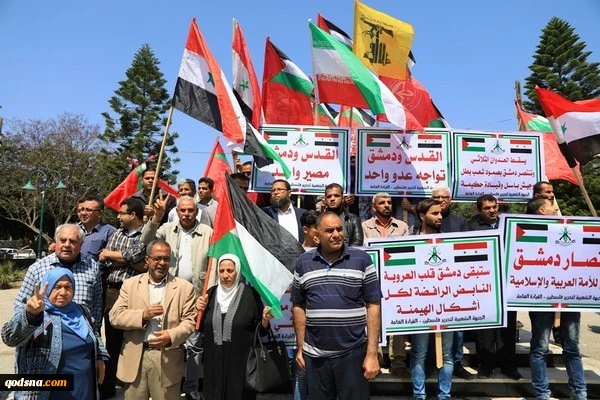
(286, 89)
(556, 163)
(276, 137)
(342, 79)
(591, 234)
(400, 256)
(576, 124)
(203, 93)
(267, 251)
(245, 83)
(429, 141)
(379, 139)
(324, 116)
(521, 146)
(474, 144)
(216, 169)
(532, 233)
(470, 252)
(132, 184)
(334, 31)
(351, 116)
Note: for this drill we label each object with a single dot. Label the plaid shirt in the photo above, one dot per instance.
(88, 286)
(132, 249)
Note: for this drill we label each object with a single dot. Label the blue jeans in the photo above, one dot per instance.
(541, 326)
(298, 376)
(193, 364)
(418, 353)
(457, 348)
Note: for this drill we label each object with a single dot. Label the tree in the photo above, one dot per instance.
(68, 145)
(135, 130)
(560, 63)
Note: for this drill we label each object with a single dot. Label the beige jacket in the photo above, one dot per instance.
(179, 319)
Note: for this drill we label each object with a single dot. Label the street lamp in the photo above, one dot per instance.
(45, 177)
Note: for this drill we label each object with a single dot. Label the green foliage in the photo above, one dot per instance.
(560, 63)
(135, 127)
(9, 274)
(570, 199)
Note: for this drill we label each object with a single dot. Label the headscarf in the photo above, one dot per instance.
(70, 314)
(228, 300)
(226, 295)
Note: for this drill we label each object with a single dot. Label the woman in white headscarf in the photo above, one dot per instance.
(231, 312)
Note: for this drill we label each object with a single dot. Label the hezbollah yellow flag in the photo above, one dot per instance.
(381, 42)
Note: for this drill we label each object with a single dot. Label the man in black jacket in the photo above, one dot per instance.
(334, 202)
(282, 210)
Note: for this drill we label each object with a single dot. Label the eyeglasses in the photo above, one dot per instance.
(80, 210)
(158, 259)
(440, 197)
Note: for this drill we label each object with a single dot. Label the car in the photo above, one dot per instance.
(7, 252)
(24, 254)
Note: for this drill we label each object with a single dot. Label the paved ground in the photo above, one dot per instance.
(590, 337)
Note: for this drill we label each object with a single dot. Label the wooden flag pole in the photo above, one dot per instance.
(205, 288)
(584, 192)
(439, 360)
(160, 157)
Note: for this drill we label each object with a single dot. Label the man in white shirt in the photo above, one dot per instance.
(282, 210)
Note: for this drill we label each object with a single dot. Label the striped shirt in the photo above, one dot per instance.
(132, 250)
(335, 296)
(88, 286)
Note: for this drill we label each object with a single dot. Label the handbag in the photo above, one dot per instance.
(268, 365)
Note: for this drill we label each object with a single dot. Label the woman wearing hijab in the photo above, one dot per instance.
(231, 313)
(52, 321)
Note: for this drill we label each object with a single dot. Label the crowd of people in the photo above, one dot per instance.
(143, 282)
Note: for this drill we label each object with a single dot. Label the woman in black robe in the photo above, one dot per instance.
(232, 312)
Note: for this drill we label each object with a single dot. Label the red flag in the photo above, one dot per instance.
(216, 169)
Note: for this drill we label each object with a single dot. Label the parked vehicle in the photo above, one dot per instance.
(7, 252)
(24, 254)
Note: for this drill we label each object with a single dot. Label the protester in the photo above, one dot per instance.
(308, 220)
(430, 216)
(185, 187)
(231, 313)
(384, 225)
(97, 233)
(337, 335)
(334, 202)
(283, 211)
(157, 312)
(189, 241)
(205, 196)
(143, 195)
(541, 327)
(54, 335)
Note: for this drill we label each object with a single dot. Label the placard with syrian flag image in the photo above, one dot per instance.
(316, 157)
(505, 165)
(401, 163)
(443, 282)
(551, 262)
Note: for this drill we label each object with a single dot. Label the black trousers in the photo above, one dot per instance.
(496, 347)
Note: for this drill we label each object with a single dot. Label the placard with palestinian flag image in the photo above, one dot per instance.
(505, 165)
(443, 282)
(316, 156)
(551, 263)
(401, 163)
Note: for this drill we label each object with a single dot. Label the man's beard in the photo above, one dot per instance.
(280, 203)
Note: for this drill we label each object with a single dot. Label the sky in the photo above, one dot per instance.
(69, 56)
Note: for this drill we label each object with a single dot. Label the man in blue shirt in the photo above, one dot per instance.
(336, 295)
(97, 233)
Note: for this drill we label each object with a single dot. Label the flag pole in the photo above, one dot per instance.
(209, 262)
(160, 157)
(584, 192)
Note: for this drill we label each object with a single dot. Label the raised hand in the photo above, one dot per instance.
(160, 207)
(35, 305)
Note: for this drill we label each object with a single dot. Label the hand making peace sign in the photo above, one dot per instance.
(35, 304)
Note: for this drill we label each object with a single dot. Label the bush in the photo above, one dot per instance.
(9, 274)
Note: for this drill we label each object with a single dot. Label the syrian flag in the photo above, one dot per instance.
(400, 256)
(521, 146)
(473, 144)
(342, 79)
(429, 141)
(576, 124)
(267, 251)
(532, 233)
(555, 162)
(327, 139)
(470, 252)
(287, 91)
(591, 234)
(245, 83)
(203, 93)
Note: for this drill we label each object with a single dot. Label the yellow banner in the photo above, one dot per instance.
(381, 42)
